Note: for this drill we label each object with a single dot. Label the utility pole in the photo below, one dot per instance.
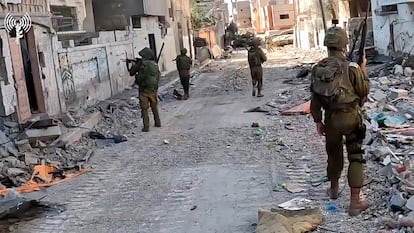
(323, 14)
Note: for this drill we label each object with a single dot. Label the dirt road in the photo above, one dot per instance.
(207, 170)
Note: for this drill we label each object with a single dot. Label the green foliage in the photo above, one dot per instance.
(199, 19)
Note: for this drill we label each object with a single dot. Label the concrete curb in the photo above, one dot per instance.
(166, 86)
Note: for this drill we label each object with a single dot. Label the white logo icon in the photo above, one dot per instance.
(21, 25)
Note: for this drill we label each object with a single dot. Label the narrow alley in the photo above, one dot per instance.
(207, 169)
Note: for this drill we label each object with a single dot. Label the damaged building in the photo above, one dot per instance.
(72, 55)
(393, 21)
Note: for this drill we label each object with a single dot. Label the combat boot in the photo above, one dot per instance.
(333, 191)
(185, 97)
(259, 94)
(254, 92)
(145, 130)
(357, 205)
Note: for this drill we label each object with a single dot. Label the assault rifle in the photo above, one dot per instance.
(362, 30)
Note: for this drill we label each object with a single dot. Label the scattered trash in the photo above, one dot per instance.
(257, 109)
(259, 132)
(193, 208)
(255, 125)
(302, 109)
(294, 188)
(166, 142)
(296, 204)
(319, 180)
(397, 202)
(331, 207)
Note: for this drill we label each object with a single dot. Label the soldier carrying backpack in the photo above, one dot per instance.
(340, 87)
(256, 57)
(184, 63)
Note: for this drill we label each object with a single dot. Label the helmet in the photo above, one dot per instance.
(256, 41)
(336, 37)
(147, 53)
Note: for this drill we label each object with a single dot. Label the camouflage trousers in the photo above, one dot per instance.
(340, 124)
(185, 81)
(147, 100)
(257, 77)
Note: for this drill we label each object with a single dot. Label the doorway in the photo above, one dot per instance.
(152, 44)
(32, 73)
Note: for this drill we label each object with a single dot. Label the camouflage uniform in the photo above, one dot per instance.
(183, 66)
(147, 77)
(256, 57)
(342, 118)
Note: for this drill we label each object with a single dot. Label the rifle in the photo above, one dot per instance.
(363, 28)
(135, 60)
(159, 55)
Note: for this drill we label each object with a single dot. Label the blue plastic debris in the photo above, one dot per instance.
(332, 207)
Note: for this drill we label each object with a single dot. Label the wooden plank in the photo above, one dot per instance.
(24, 112)
(36, 74)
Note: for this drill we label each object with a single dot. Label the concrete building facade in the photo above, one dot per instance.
(393, 23)
(71, 57)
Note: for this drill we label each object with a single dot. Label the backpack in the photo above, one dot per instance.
(330, 81)
(150, 75)
(183, 63)
(253, 58)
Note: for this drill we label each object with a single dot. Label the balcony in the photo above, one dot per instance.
(33, 7)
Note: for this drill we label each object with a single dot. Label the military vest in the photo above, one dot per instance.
(254, 58)
(149, 76)
(330, 81)
(183, 63)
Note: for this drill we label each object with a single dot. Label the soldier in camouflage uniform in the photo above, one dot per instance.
(183, 66)
(340, 88)
(147, 77)
(256, 58)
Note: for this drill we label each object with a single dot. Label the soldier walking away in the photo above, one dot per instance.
(183, 66)
(256, 58)
(340, 87)
(147, 75)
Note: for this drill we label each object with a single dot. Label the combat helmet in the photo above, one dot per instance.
(183, 51)
(336, 37)
(147, 53)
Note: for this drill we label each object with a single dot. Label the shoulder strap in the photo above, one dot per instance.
(353, 64)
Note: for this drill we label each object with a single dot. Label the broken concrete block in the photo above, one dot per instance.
(398, 70)
(408, 72)
(47, 134)
(397, 202)
(11, 124)
(12, 150)
(30, 159)
(379, 95)
(398, 93)
(14, 162)
(15, 172)
(67, 119)
(77, 134)
(384, 80)
(23, 145)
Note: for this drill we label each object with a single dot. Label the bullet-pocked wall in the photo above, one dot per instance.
(92, 73)
(393, 26)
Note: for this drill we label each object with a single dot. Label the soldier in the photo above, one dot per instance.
(147, 77)
(256, 57)
(183, 66)
(340, 88)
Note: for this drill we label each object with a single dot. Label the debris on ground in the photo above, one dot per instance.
(288, 221)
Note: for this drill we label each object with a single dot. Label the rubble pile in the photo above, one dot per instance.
(120, 115)
(389, 116)
(24, 146)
